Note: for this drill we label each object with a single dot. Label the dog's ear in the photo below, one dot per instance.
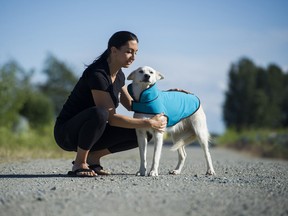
(159, 76)
(131, 75)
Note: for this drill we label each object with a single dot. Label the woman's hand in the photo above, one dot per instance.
(159, 122)
(180, 90)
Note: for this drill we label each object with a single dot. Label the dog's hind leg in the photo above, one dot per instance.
(204, 144)
(181, 160)
(201, 131)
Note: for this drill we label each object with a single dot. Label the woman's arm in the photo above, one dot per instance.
(103, 99)
(125, 98)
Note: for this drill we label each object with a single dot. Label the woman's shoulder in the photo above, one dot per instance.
(96, 77)
(98, 70)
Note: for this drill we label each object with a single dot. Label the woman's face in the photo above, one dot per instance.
(126, 54)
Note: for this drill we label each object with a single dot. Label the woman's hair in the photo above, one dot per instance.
(117, 40)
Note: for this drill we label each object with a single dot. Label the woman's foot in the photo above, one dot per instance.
(82, 170)
(98, 169)
(93, 160)
(80, 167)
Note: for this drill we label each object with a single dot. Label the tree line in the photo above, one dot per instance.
(256, 97)
(36, 103)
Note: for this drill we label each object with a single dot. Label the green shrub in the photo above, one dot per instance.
(38, 109)
(261, 142)
(34, 143)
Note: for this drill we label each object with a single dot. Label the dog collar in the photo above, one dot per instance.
(174, 104)
(147, 95)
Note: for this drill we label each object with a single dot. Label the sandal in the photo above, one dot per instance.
(98, 169)
(76, 173)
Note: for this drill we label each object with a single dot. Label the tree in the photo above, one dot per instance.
(285, 101)
(38, 109)
(256, 97)
(60, 82)
(275, 91)
(20, 98)
(12, 95)
(239, 97)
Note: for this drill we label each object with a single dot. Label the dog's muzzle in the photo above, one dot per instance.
(146, 78)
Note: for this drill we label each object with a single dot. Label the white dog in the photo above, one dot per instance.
(185, 123)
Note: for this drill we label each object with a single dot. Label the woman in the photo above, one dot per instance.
(88, 122)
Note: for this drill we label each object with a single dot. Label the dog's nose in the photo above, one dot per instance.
(146, 76)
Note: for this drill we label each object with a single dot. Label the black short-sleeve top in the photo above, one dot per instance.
(95, 77)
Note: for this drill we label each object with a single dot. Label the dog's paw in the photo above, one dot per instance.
(210, 172)
(174, 172)
(153, 173)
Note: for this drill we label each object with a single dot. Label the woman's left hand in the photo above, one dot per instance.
(180, 90)
(159, 122)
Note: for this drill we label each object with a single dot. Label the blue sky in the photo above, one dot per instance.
(193, 43)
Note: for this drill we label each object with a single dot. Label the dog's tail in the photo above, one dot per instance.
(182, 134)
(189, 139)
(181, 142)
(176, 146)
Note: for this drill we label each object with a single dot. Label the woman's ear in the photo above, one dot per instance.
(113, 50)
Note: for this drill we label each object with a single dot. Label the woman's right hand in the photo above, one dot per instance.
(159, 122)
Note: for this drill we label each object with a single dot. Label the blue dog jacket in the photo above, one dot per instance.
(174, 104)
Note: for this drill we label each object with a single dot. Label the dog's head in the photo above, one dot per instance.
(146, 76)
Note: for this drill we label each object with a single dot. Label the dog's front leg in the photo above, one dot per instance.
(142, 142)
(157, 153)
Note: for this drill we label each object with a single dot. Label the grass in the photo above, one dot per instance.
(30, 144)
(260, 142)
(40, 143)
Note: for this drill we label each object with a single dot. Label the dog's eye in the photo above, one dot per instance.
(151, 72)
(141, 71)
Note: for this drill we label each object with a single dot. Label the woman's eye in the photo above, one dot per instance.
(132, 52)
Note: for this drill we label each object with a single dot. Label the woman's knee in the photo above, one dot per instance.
(99, 114)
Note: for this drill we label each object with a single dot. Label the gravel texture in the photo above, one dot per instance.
(243, 186)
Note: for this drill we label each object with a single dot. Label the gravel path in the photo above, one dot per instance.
(243, 186)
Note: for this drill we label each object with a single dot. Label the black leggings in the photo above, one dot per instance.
(90, 131)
